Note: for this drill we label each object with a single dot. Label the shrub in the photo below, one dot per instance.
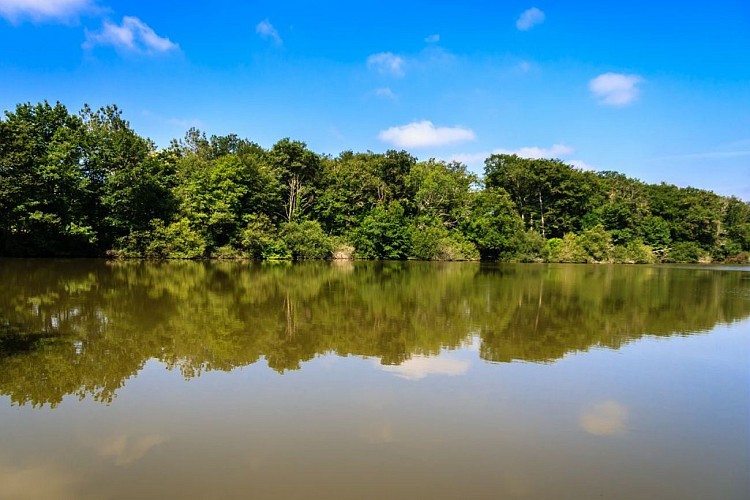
(530, 246)
(567, 249)
(685, 252)
(635, 252)
(306, 240)
(596, 243)
(176, 241)
(383, 234)
(260, 239)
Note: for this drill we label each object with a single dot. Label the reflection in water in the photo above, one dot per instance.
(35, 482)
(85, 327)
(124, 450)
(604, 419)
(419, 367)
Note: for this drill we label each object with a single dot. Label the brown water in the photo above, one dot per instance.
(373, 380)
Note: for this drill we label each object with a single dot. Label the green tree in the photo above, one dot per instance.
(736, 222)
(43, 188)
(306, 240)
(551, 197)
(442, 191)
(493, 225)
(383, 234)
(350, 188)
(298, 169)
(132, 183)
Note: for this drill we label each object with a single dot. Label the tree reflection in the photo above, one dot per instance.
(85, 327)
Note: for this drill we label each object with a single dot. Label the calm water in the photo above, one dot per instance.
(367, 380)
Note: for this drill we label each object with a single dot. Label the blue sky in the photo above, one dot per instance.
(657, 90)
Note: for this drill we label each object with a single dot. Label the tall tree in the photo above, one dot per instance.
(131, 183)
(551, 197)
(42, 184)
(298, 168)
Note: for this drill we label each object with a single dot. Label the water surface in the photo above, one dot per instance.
(373, 380)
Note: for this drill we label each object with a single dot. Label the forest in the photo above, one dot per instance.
(87, 184)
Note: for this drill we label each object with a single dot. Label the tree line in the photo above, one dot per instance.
(87, 184)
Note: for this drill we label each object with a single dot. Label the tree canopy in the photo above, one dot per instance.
(87, 184)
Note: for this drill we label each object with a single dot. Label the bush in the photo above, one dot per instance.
(306, 240)
(740, 258)
(635, 252)
(530, 246)
(686, 252)
(261, 241)
(435, 242)
(227, 252)
(567, 249)
(383, 234)
(596, 243)
(175, 241)
(456, 247)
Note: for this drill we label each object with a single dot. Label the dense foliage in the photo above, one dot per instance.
(87, 184)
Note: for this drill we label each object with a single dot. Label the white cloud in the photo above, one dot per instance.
(387, 63)
(615, 89)
(529, 18)
(133, 35)
(420, 367)
(581, 165)
(555, 151)
(39, 10)
(477, 159)
(386, 93)
(432, 38)
(425, 134)
(266, 30)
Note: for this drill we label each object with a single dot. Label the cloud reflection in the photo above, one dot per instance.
(37, 481)
(377, 433)
(419, 367)
(604, 419)
(125, 450)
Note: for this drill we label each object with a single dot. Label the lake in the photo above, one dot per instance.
(352, 380)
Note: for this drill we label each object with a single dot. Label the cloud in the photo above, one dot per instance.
(432, 38)
(529, 18)
(266, 31)
(377, 433)
(41, 10)
(477, 159)
(425, 134)
(582, 165)
(420, 367)
(387, 63)
(555, 151)
(386, 93)
(615, 89)
(133, 35)
(604, 419)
